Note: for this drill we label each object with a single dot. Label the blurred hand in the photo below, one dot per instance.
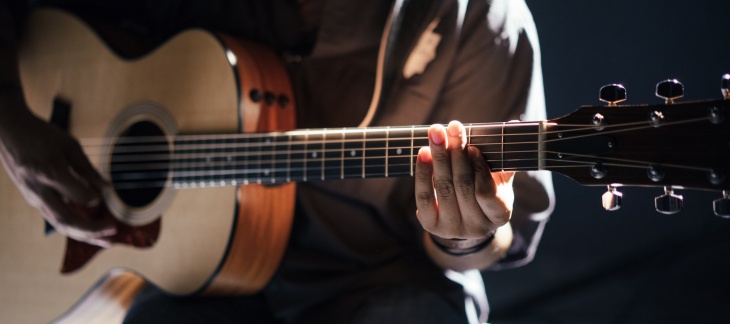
(457, 195)
(51, 170)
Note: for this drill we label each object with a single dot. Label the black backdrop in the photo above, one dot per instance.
(631, 265)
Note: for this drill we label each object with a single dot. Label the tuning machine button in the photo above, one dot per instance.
(670, 90)
(611, 199)
(612, 94)
(668, 203)
(721, 206)
(725, 86)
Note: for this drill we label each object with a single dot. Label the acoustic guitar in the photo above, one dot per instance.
(199, 143)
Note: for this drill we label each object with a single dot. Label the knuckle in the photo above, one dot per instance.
(440, 155)
(444, 188)
(464, 184)
(423, 174)
(424, 198)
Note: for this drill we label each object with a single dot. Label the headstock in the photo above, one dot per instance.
(674, 145)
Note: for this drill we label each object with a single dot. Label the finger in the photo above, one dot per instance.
(486, 190)
(59, 214)
(473, 220)
(425, 199)
(449, 218)
(71, 186)
(82, 166)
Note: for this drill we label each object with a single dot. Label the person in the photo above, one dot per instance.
(360, 250)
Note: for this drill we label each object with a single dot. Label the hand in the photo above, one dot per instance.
(457, 195)
(51, 171)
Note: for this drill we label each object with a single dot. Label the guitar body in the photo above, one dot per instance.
(223, 240)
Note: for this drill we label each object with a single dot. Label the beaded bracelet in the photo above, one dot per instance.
(461, 247)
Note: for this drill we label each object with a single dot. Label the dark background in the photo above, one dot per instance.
(633, 265)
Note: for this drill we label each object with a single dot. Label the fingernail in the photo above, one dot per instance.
(423, 155)
(454, 129)
(436, 135)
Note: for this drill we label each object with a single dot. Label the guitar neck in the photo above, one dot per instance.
(327, 154)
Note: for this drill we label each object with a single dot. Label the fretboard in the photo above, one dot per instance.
(327, 154)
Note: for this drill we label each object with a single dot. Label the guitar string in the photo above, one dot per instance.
(207, 147)
(245, 163)
(207, 156)
(111, 141)
(308, 152)
(281, 179)
(274, 169)
(148, 183)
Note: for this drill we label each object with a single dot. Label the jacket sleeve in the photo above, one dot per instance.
(496, 76)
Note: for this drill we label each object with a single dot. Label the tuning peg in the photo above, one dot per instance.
(725, 86)
(669, 202)
(612, 94)
(721, 206)
(612, 199)
(669, 90)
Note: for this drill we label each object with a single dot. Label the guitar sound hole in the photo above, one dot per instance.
(140, 164)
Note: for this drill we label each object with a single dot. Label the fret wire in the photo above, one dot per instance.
(193, 156)
(141, 166)
(324, 139)
(574, 164)
(178, 139)
(411, 159)
(152, 157)
(139, 139)
(502, 145)
(91, 142)
(387, 135)
(264, 145)
(159, 184)
(288, 159)
(306, 140)
(643, 163)
(202, 173)
(342, 158)
(364, 137)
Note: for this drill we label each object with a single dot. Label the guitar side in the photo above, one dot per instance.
(190, 79)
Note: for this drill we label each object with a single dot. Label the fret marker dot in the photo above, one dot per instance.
(266, 172)
(222, 183)
(353, 153)
(399, 151)
(207, 159)
(229, 158)
(314, 154)
(234, 182)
